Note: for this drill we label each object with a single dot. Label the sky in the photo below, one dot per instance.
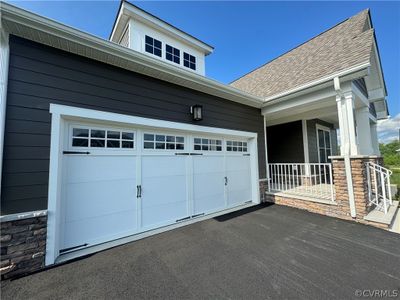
(248, 34)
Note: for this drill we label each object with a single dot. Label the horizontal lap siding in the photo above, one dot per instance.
(41, 75)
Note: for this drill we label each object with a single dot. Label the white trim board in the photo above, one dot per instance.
(4, 61)
(305, 141)
(62, 115)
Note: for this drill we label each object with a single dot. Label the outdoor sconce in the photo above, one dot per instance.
(197, 112)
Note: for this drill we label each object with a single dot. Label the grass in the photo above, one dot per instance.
(395, 178)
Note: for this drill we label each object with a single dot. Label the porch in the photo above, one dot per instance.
(323, 154)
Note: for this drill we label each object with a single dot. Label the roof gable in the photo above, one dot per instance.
(346, 45)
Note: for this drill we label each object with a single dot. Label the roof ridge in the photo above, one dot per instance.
(298, 46)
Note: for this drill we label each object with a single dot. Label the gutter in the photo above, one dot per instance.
(276, 98)
(10, 13)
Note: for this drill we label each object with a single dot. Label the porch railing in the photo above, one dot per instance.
(379, 192)
(302, 179)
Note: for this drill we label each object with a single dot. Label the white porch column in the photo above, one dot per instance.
(364, 131)
(345, 107)
(374, 139)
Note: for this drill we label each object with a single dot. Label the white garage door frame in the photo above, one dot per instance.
(62, 115)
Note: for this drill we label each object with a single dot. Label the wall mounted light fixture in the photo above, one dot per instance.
(197, 112)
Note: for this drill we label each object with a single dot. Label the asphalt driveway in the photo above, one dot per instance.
(267, 252)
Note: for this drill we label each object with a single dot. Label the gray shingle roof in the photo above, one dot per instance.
(345, 45)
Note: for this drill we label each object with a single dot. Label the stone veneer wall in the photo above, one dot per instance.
(23, 245)
(341, 208)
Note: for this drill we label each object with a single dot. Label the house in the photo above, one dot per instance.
(109, 141)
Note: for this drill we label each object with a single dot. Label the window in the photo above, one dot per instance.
(172, 54)
(236, 146)
(207, 144)
(324, 144)
(163, 142)
(189, 61)
(153, 46)
(102, 138)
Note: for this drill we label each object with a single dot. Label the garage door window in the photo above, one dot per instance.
(207, 144)
(102, 138)
(163, 142)
(236, 146)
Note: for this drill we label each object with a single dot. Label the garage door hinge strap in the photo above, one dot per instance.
(183, 219)
(76, 152)
(196, 153)
(181, 153)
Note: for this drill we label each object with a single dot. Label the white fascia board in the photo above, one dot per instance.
(63, 33)
(362, 67)
(77, 112)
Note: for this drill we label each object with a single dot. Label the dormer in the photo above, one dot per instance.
(139, 30)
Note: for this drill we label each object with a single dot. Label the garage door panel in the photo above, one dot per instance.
(99, 229)
(96, 167)
(239, 180)
(208, 184)
(90, 199)
(161, 166)
(164, 190)
(99, 198)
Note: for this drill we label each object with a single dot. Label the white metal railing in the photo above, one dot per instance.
(302, 179)
(379, 192)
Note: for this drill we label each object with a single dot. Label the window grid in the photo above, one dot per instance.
(236, 146)
(172, 54)
(189, 61)
(153, 46)
(163, 142)
(207, 144)
(102, 138)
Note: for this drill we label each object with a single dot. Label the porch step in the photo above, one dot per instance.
(378, 216)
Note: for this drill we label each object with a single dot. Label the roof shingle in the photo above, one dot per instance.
(346, 45)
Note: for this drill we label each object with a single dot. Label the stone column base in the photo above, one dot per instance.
(23, 243)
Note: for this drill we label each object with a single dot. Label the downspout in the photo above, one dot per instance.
(266, 151)
(346, 148)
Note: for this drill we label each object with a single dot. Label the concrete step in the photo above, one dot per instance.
(380, 217)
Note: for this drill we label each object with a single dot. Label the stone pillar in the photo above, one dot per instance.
(364, 131)
(360, 185)
(23, 243)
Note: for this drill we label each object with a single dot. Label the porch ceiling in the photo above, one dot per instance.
(321, 106)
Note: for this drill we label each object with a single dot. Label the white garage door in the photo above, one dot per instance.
(119, 182)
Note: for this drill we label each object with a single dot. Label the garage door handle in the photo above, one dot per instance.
(226, 180)
(138, 191)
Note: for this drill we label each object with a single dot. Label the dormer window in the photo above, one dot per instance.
(153, 46)
(189, 61)
(172, 54)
